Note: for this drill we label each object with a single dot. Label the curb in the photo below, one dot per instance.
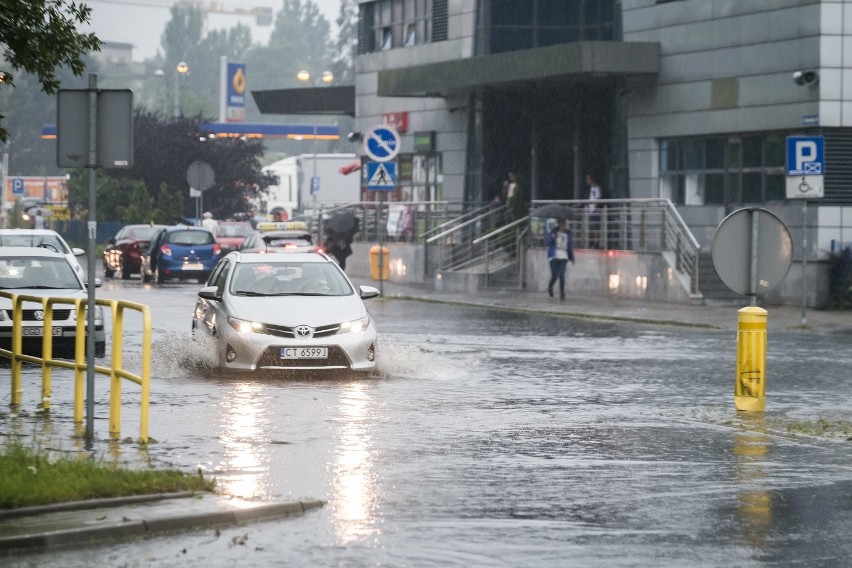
(147, 527)
(92, 504)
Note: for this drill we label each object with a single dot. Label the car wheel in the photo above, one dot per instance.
(125, 270)
(159, 276)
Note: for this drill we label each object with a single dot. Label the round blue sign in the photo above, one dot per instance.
(382, 143)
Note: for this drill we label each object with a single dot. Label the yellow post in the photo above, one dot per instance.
(145, 383)
(46, 354)
(79, 361)
(750, 379)
(115, 380)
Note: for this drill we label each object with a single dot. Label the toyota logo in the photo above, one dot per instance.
(304, 331)
(39, 315)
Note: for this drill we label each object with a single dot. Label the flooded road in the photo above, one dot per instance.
(489, 438)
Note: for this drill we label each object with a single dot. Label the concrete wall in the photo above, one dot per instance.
(447, 117)
(727, 66)
(616, 274)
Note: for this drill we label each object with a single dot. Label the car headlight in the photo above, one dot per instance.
(355, 326)
(244, 326)
(3, 315)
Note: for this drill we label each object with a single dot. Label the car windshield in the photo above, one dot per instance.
(37, 272)
(50, 242)
(289, 279)
(237, 230)
(140, 233)
(190, 238)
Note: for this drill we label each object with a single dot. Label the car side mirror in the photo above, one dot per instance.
(78, 251)
(368, 292)
(209, 293)
(98, 283)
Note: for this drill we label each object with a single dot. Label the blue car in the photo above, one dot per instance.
(181, 252)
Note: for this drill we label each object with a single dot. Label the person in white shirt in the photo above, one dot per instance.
(210, 223)
(595, 194)
(560, 250)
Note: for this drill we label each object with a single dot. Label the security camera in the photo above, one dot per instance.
(353, 136)
(807, 77)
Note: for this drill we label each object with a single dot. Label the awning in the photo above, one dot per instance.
(310, 100)
(578, 60)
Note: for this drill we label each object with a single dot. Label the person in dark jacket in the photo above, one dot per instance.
(560, 249)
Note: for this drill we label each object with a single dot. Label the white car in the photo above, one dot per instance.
(44, 238)
(45, 273)
(286, 312)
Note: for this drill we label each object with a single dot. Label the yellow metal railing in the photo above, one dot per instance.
(115, 371)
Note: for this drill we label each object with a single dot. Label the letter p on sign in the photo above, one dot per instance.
(806, 152)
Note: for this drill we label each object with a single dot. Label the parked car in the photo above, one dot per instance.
(44, 273)
(280, 236)
(44, 238)
(286, 312)
(232, 234)
(180, 251)
(124, 251)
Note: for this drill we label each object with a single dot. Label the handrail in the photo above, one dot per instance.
(475, 213)
(460, 226)
(115, 371)
(502, 229)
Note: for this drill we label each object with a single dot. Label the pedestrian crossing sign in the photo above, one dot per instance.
(381, 175)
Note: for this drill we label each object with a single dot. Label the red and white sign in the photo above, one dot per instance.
(399, 120)
(51, 189)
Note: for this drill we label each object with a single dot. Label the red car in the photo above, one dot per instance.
(232, 234)
(124, 253)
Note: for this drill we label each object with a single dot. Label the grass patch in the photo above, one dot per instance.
(29, 478)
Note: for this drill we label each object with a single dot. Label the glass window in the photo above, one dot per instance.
(410, 35)
(714, 154)
(775, 154)
(558, 13)
(714, 188)
(752, 188)
(511, 12)
(752, 152)
(555, 36)
(668, 155)
(693, 154)
(776, 187)
(386, 39)
(511, 39)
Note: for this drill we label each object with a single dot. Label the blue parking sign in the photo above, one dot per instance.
(18, 186)
(805, 155)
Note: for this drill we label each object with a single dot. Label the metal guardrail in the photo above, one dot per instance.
(115, 371)
(414, 220)
(486, 242)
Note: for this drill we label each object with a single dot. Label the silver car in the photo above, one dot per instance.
(43, 238)
(293, 312)
(45, 273)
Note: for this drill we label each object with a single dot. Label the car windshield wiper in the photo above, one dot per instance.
(251, 293)
(299, 294)
(40, 287)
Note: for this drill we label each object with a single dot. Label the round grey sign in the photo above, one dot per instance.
(752, 251)
(200, 175)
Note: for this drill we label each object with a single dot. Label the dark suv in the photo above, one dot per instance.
(181, 252)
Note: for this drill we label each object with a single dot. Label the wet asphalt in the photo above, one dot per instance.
(497, 432)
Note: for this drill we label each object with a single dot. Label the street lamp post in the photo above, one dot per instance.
(326, 77)
(161, 73)
(181, 69)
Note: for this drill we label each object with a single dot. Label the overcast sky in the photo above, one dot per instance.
(141, 22)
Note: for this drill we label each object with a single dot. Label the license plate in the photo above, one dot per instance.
(39, 331)
(193, 266)
(304, 352)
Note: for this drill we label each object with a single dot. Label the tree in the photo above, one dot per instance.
(347, 43)
(162, 153)
(38, 36)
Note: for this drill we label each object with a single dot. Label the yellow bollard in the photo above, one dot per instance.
(750, 379)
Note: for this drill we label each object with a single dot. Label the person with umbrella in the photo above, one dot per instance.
(339, 232)
(560, 250)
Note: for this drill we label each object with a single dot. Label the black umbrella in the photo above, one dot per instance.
(554, 210)
(343, 224)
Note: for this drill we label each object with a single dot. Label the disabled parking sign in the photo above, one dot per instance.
(805, 167)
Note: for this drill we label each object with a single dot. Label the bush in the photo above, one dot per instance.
(840, 279)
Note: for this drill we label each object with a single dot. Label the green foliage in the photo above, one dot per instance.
(29, 478)
(840, 279)
(38, 36)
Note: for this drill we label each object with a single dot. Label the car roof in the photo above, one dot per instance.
(283, 234)
(171, 228)
(266, 258)
(30, 252)
(29, 232)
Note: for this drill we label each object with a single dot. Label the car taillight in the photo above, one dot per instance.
(216, 250)
(166, 250)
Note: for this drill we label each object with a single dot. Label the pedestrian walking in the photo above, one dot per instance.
(595, 194)
(38, 220)
(560, 250)
(210, 223)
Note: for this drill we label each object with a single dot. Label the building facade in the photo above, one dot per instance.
(690, 100)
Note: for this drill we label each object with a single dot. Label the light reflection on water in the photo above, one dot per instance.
(242, 426)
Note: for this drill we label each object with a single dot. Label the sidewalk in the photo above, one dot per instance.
(721, 317)
(84, 522)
